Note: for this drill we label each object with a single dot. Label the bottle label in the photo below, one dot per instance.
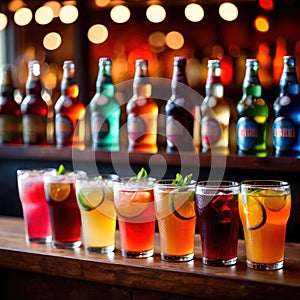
(34, 129)
(210, 131)
(174, 131)
(99, 126)
(283, 134)
(63, 129)
(10, 129)
(247, 133)
(136, 128)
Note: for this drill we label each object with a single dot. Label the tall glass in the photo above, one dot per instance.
(134, 202)
(95, 199)
(217, 213)
(264, 207)
(64, 211)
(175, 214)
(34, 205)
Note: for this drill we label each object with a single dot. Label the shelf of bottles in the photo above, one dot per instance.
(182, 126)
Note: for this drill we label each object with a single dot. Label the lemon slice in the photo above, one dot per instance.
(131, 205)
(275, 203)
(59, 191)
(90, 198)
(256, 215)
(182, 205)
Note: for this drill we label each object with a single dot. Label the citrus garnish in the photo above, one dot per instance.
(181, 206)
(132, 204)
(256, 215)
(59, 191)
(141, 175)
(90, 198)
(61, 170)
(274, 200)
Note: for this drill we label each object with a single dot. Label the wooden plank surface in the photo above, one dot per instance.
(151, 274)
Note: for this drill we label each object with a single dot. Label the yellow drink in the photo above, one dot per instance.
(98, 216)
(264, 212)
(176, 219)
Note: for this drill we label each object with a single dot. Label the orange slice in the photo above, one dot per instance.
(182, 205)
(256, 215)
(59, 191)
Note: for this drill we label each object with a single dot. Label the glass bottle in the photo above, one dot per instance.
(252, 112)
(34, 109)
(105, 110)
(179, 111)
(215, 112)
(69, 111)
(10, 113)
(142, 112)
(286, 125)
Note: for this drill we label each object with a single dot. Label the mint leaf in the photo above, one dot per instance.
(141, 175)
(61, 170)
(182, 182)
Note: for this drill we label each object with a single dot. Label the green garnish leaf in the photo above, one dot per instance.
(61, 170)
(141, 175)
(182, 182)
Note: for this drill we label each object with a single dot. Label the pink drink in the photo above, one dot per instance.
(35, 208)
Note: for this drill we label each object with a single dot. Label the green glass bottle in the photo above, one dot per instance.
(252, 112)
(105, 110)
(215, 112)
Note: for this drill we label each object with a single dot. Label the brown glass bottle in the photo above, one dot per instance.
(179, 111)
(69, 111)
(142, 112)
(34, 109)
(10, 113)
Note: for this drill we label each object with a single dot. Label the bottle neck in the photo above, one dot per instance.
(33, 85)
(141, 83)
(214, 86)
(288, 84)
(104, 83)
(179, 81)
(6, 84)
(251, 83)
(69, 86)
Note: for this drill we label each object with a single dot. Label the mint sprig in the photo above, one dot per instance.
(182, 182)
(61, 170)
(141, 175)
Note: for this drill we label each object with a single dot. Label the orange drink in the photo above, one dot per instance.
(264, 208)
(136, 217)
(175, 214)
(95, 199)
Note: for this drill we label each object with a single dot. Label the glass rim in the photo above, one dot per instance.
(264, 183)
(35, 171)
(212, 184)
(96, 176)
(169, 183)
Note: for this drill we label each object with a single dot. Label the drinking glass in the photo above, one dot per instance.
(216, 207)
(175, 214)
(95, 199)
(34, 205)
(134, 202)
(264, 207)
(64, 211)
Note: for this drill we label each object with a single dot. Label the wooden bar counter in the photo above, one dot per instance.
(33, 271)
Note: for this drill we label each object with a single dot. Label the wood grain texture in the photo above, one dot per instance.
(149, 276)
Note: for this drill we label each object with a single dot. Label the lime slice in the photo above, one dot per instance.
(59, 191)
(90, 198)
(182, 205)
(131, 205)
(275, 203)
(256, 215)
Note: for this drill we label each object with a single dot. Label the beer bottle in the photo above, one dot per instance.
(34, 109)
(252, 112)
(10, 113)
(69, 111)
(286, 125)
(215, 112)
(179, 111)
(105, 110)
(142, 112)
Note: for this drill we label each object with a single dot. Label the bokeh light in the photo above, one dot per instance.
(102, 3)
(261, 24)
(120, 14)
(157, 41)
(68, 14)
(228, 11)
(23, 16)
(44, 15)
(174, 40)
(55, 6)
(14, 5)
(52, 41)
(3, 21)
(155, 13)
(97, 34)
(194, 12)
